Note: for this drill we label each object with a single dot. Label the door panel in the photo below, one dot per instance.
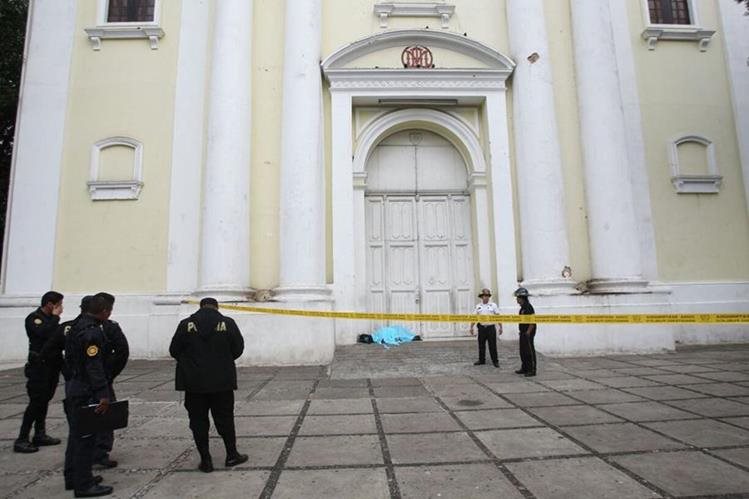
(434, 247)
(402, 257)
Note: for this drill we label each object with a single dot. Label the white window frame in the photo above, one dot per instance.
(442, 11)
(125, 30)
(104, 190)
(708, 183)
(693, 32)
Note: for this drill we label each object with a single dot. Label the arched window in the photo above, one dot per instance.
(693, 166)
(116, 170)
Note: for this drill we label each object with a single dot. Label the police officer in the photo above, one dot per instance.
(487, 331)
(42, 378)
(53, 349)
(116, 352)
(88, 384)
(205, 345)
(527, 334)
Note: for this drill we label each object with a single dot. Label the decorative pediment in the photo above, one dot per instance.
(450, 51)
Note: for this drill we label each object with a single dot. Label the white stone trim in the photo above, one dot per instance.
(680, 32)
(124, 30)
(443, 11)
(708, 183)
(115, 189)
(33, 197)
(188, 145)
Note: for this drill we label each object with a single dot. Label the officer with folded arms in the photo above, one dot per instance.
(88, 384)
(205, 345)
(42, 378)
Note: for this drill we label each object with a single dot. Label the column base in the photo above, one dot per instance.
(623, 285)
(299, 294)
(224, 293)
(550, 287)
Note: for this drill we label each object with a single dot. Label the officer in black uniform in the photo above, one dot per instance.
(205, 345)
(88, 384)
(527, 334)
(116, 352)
(42, 378)
(53, 349)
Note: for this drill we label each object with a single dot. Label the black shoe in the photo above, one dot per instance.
(95, 490)
(105, 463)
(479, 363)
(97, 480)
(24, 447)
(206, 465)
(496, 364)
(519, 371)
(530, 374)
(44, 439)
(235, 460)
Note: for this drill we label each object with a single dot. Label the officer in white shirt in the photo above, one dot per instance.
(487, 331)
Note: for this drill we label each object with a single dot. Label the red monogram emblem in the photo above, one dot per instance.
(417, 57)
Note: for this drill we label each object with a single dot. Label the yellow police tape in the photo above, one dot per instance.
(539, 318)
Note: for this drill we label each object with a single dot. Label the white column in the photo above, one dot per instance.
(225, 256)
(543, 232)
(736, 39)
(30, 230)
(502, 205)
(612, 227)
(302, 208)
(188, 145)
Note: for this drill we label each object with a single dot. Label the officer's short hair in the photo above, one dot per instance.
(97, 305)
(208, 302)
(109, 298)
(52, 296)
(85, 303)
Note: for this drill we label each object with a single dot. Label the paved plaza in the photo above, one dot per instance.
(421, 421)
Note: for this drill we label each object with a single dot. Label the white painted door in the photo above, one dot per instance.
(419, 250)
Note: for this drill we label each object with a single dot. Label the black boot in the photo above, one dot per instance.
(206, 464)
(24, 446)
(94, 491)
(97, 480)
(42, 439)
(235, 459)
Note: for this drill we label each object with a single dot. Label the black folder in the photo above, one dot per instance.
(113, 419)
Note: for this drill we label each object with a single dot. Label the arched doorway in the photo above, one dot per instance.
(419, 249)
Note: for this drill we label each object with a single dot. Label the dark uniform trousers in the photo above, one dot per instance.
(487, 334)
(105, 440)
(41, 384)
(528, 352)
(80, 449)
(221, 405)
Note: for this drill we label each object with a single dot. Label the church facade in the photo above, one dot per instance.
(384, 156)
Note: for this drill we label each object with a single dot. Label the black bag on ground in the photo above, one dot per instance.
(365, 338)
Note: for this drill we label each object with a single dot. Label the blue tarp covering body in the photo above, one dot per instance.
(392, 335)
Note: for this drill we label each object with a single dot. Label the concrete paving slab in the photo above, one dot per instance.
(687, 473)
(676, 379)
(269, 408)
(540, 399)
(415, 404)
(418, 423)
(340, 406)
(624, 437)
(233, 483)
(337, 450)
(149, 454)
(342, 383)
(475, 402)
(340, 393)
(713, 407)
(627, 382)
(738, 456)
(266, 426)
(721, 389)
(496, 418)
(48, 458)
(338, 425)
(399, 391)
(703, 432)
(572, 384)
(646, 411)
(605, 396)
(403, 381)
(740, 421)
(688, 368)
(573, 415)
(125, 484)
(664, 392)
(11, 410)
(263, 452)
(433, 448)
(159, 427)
(324, 484)
(9, 428)
(517, 387)
(638, 371)
(528, 442)
(460, 481)
(726, 376)
(579, 478)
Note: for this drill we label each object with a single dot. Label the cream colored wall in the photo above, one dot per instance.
(685, 91)
(124, 89)
(267, 94)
